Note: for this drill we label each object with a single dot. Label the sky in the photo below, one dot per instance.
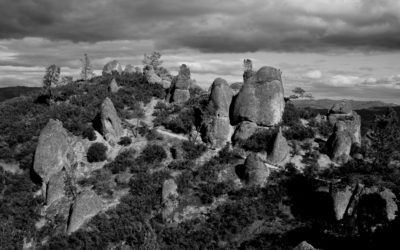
(331, 48)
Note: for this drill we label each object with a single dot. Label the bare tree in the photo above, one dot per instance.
(87, 69)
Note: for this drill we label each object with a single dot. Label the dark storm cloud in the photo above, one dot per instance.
(211, 26)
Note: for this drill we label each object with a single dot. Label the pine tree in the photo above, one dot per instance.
(87, 69)
(153, 60)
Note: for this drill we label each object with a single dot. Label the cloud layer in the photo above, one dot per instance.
(211, 26)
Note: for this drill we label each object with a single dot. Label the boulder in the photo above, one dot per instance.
(256, 173)
(129, 69)
(218, 132)
(55, 187)
(180, 95)
(281, 151)
(110, 122)
(351, 123)
(151, 75)
(341, 199)
(112, 67)
(166, 84)
(182, 80)
(53, 152)
(391, 205)
(343, 107)
(87, 204)
(324, 162)
(236, 87)
(113, 87)
(261, 99)
(244, 131)
(221, 97)
(170, 197)
(304, 246)
(339, 144)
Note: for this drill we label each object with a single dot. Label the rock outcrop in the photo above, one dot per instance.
(113, 67)
(281, 151)
(53, 152)
(55, 187)
(170, 197)
(261, 99)
(236, 87)
(87, 204)
(129, 69)
(180, 85)
(110, 122)
(352, 121)
(256, 173)
(244, 131)
(151, 75)
(341, 200)
(304, 246)
(339, 144)
(219, 130)
(113, 87)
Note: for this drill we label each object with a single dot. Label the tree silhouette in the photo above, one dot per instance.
(87, 69)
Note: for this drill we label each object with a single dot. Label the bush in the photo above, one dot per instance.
(192, 150)
(125, 141)
(89, 134)
(261, 141)
(97, 152)
(123, 161)
(298, 132)
(152, 154)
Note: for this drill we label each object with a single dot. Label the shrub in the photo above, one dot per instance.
(89, 134)
(261, 141)
(123, 161)
(125, 141)
(152, 154)
(180, 165)
(290, 115)
(298, 132)
(97, 152)
(192, 150)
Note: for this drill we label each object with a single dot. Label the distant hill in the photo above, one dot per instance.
(327, 104)
(11, 92)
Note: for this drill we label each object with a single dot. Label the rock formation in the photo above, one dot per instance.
(256, 173)
(129, 69)
(87, 204)
(260, 100)
(113, 87)
(244, 131)
(304, 246)
(169, 197)
(110, 122)
(55, 187)
(180, 85)
(236, 87)
(219, 131)
(53, 152)
(112, 67)
(151, 75)
(281, 151)
(339, 144)
(341, 199)
(352, 122)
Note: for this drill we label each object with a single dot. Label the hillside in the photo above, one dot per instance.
(145, 160)
(327, 104)
(11, 92)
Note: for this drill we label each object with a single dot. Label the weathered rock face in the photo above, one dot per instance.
(113, 66)
(341, 199)
(151, 75)
(55, 187)
(129, 69)
(53, 151)
(260, 100)
(181, 84)
(351, 123)
(221, 97)
(219, 131)
(256, 173)
(343, 107)
(113, 87)
(281, 151)
(87, 204)
(170, 197)
(339, 144)
(236, 87)
(111, 124)
(304, 246)
(244, 131)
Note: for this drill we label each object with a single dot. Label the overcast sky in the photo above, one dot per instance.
(332, 48)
